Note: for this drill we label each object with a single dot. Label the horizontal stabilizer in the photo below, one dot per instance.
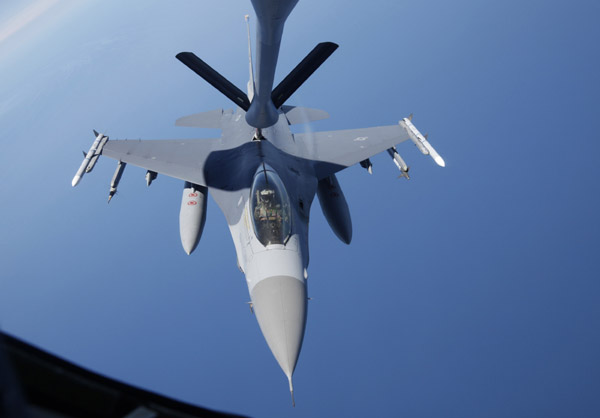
(297, 115)
(210, 120)
(214, 79)
(302, 72)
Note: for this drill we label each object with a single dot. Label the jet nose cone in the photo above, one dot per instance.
(280, 307)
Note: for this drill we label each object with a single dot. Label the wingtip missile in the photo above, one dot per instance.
(90, 158)
(96, 155)
(421, 141)
(438, 159)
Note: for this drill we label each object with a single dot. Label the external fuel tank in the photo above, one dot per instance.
(192, 215)
(335, 208)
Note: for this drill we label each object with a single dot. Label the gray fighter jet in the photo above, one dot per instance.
(263, 177)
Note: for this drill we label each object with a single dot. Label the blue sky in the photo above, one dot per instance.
(467, 291)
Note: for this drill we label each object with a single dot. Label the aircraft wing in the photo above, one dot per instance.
(182, 159)
(333, 151)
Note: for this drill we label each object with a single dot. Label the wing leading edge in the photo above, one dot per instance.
(182, 159)
(333, 151)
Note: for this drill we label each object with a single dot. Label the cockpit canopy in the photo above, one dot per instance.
(271, 214)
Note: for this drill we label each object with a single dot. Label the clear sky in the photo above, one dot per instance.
(471, 290)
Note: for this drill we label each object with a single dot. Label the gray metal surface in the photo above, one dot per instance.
(298, 115)
(271, 16)
(280, 306)
(210, 119)
(333, 151)
(174, 158)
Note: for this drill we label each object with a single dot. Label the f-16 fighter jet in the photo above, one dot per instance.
(263, 177)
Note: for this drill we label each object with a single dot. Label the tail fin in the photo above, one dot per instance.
(251, 80)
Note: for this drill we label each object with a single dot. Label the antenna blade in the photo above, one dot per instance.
(214, 79)
(302, 72)
(251, 81)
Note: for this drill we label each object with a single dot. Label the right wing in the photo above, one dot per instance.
(333, 151)
(182, 159)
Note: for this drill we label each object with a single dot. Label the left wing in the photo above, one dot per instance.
(182, 159)
(333, 151)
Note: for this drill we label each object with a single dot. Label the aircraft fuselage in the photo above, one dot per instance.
(268, 213)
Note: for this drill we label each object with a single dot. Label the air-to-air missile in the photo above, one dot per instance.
(421, 141)
(399, 162)
(90, 158)
(96, 155)
(114, 183)
(192, 215)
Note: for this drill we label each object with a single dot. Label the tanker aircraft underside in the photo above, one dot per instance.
(263, 177)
